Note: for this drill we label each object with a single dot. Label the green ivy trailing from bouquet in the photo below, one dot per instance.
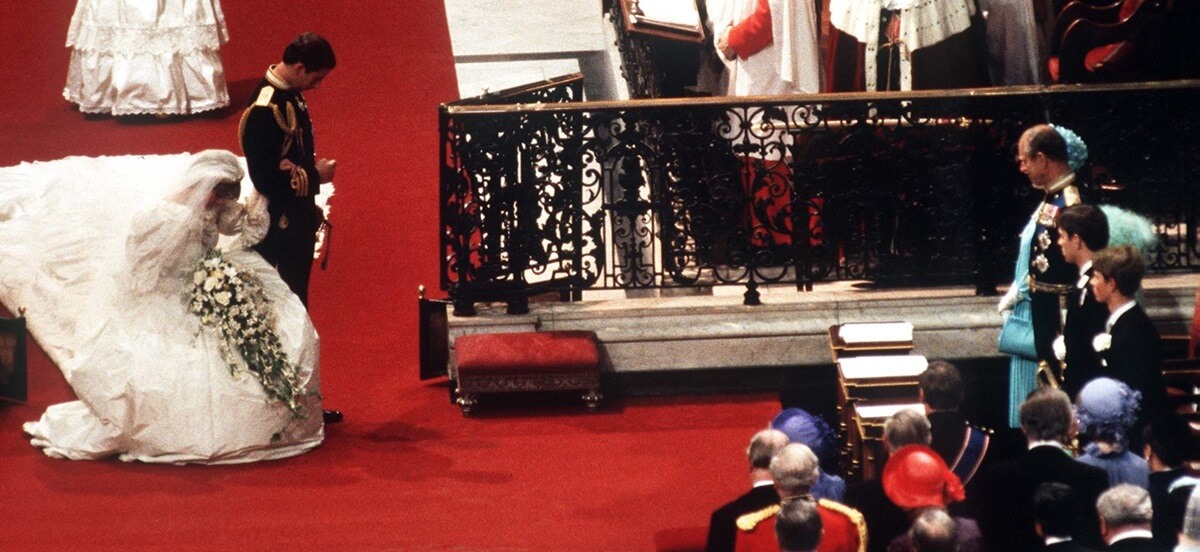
(232, 301)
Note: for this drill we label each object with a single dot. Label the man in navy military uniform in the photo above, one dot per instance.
(1042, 156)
(277, 139)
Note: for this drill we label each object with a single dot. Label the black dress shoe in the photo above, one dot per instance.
(331, 416)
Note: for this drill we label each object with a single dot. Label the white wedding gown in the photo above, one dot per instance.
(151, 381)
(147, 57)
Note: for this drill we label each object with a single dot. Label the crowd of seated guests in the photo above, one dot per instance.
(1078, 485)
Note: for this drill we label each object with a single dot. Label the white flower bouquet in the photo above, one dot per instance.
(232, 301)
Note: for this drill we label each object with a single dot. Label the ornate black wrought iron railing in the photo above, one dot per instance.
(915, 188)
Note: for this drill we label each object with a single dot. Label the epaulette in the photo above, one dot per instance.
(855, 517)
(286, 122)
(1071, 196)
(747, 522)
(264, 96)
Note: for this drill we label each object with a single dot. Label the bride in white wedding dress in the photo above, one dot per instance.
(107, 260)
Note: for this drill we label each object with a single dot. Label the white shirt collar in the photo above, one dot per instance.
(275, 80)
(1132, 534)
(764, 483)
(1056, 540)
(1183, 481)
(1055, 444)
(1061, 183)
(1084, 278)
(1116, 314)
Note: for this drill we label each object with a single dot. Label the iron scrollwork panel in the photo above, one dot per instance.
(1144, 155)
(892, 189)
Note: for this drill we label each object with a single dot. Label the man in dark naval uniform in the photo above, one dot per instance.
(1042, 156)
(277, 139)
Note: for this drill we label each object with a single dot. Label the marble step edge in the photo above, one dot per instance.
(664, 319)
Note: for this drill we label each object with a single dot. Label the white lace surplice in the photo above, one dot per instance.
(158, 57)
(151, 381)
(789, 65)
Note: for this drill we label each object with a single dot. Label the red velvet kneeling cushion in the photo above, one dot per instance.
(527, 353)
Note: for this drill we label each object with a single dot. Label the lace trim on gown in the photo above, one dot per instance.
(139, 58)
(158, 41)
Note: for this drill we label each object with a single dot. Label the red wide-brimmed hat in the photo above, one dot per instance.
(916, 476)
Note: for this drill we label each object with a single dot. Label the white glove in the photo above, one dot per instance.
(1060, 348)
(1008, 301)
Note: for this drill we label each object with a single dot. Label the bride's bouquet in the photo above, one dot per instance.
(233, 302)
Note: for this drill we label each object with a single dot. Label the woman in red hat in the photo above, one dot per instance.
(918, 480)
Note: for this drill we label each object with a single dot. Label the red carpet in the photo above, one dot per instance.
(405, 471)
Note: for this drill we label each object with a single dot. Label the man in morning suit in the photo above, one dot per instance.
(1129, 349)
(1125, 515)
(1042, 156)
(1056, 510)
(276, 136)
(763, 446)
(1082, 230)
(1169, 446)
(1007, 519)
(935, 531)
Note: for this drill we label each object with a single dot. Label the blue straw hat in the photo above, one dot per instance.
(1106, 409)
(802, 427)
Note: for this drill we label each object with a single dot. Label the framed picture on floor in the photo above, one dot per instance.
(13, 382)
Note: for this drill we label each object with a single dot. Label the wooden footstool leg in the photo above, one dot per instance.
(592, 398)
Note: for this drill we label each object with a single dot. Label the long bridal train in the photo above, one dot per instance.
(103, 253)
